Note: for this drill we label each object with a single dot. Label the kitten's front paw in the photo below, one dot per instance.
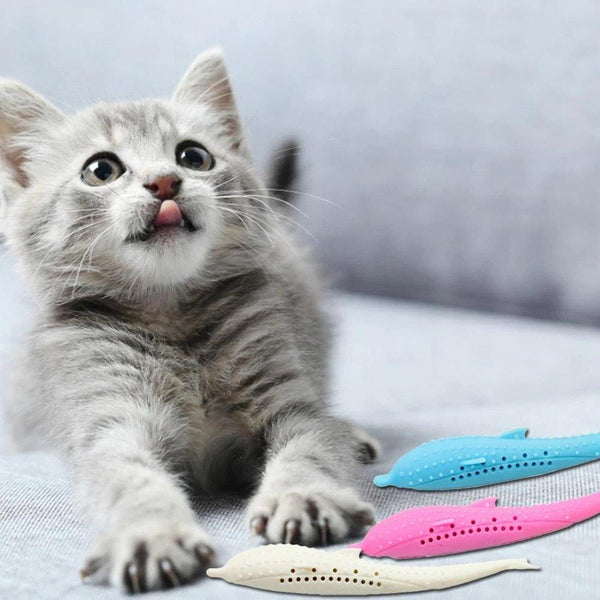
(149, 556)
(311, 516)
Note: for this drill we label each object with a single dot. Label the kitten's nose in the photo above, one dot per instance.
(164, 187)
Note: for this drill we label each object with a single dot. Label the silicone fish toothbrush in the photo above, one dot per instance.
(464, 462)
(300, 570)
(435, 530)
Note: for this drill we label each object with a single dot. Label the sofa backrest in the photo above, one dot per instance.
(459, 142)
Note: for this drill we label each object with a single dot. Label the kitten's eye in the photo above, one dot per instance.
(102, 169)
(192, 155)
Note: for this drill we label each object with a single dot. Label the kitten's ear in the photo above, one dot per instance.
(24, 115)
(206, 82)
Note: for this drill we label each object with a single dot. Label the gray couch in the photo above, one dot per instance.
(409, 373)
(458, 142)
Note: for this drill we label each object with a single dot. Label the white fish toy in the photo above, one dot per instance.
(300, 570)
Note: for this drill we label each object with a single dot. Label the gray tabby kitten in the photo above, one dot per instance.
(179, 342)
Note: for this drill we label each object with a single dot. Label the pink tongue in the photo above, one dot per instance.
(169, 214)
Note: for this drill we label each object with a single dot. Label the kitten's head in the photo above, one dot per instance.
(130, 197)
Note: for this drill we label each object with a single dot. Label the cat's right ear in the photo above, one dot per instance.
(24, 116)
(207, 82)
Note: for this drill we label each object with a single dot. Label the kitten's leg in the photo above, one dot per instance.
(125, 481)
(305, 495)
(119, 408)
(368, 449)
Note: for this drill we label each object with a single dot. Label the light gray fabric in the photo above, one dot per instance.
(408, 374)
(458, 140)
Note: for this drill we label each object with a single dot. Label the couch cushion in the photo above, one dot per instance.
(409, 374)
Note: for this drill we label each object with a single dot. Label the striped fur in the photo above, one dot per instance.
(197, 362)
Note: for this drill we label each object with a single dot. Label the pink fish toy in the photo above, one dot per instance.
(438, 530)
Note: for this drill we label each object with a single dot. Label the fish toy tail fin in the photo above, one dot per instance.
(515, 434)
(464, 573)
(522, 564)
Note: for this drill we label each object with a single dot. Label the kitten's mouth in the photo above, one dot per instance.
(169, 220)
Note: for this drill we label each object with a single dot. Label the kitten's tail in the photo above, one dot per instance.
(283, 173)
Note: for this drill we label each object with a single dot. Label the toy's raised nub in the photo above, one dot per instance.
(515, 434)
(526, 565)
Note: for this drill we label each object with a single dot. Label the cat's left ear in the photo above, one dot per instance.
(24, 117)
(206, 82)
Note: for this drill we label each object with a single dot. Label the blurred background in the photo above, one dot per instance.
(450, 156)
(456, 144)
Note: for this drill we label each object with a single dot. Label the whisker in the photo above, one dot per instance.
(90, 249)
(277, 216)
(252, 220)
(275, 198)
(274, 230)
(299, 193)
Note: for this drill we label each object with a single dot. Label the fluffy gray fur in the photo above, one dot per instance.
(196, 360)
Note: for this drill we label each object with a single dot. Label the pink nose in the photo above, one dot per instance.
(165, 187)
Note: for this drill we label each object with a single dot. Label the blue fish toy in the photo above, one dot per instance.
(473, 461)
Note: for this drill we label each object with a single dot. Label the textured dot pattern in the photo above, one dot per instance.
(301, 570)
(436, 530)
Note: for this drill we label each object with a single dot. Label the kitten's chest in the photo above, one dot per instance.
(222, 449)
(203, 376)
(204, 389)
